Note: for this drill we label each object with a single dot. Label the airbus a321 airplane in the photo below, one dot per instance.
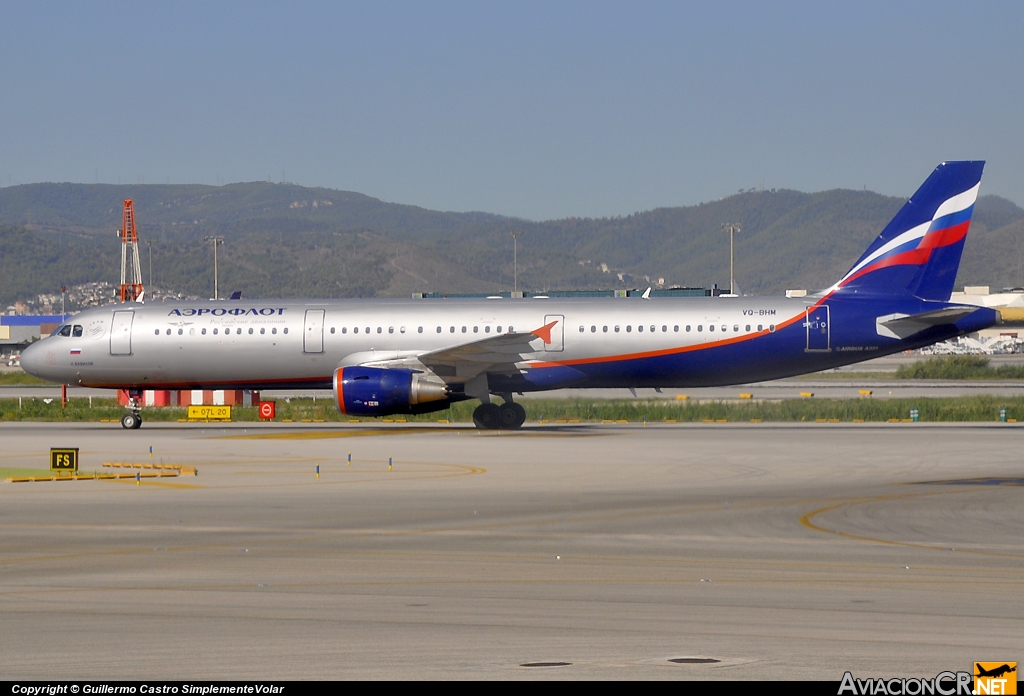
(385, 357)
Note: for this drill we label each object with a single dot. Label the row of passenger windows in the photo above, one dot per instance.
(77, 331)
(419, 329)
(227, 331)
(664, 328)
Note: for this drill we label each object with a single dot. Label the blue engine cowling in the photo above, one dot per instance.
(372, 391)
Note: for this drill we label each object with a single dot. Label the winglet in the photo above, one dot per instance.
(647, 294)
(544, 332)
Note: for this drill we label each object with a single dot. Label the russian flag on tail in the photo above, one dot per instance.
(918, 252)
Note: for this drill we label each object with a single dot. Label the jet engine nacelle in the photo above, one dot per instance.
(372, 391)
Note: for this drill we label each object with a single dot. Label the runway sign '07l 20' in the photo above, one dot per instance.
(63, 459)
(209, 412)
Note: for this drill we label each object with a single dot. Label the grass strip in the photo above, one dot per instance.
(954, 409)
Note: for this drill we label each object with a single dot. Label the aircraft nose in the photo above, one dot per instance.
(32, 360)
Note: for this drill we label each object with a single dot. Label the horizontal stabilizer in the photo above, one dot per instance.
(901, 326)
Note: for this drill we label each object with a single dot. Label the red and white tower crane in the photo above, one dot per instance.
(131, 278)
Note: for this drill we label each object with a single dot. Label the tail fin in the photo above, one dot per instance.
(918, 252)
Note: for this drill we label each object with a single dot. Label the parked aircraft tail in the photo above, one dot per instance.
(918, 252)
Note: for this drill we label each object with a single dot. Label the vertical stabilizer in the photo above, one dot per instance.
(918, 252)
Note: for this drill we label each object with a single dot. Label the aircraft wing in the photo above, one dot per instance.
(499, 353)
(904, 325)
(465, 362)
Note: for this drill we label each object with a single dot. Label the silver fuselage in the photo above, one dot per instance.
(265, 343)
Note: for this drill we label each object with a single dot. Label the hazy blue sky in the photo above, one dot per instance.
(537, 110)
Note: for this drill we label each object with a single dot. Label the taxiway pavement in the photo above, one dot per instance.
(781, 551)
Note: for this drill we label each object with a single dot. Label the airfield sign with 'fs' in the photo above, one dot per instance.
(64, 459)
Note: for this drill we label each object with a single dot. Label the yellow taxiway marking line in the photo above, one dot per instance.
(162, 484)
(326, 434)
(561, 431)
(805, 520)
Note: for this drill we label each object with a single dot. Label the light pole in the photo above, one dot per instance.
(150, 242)
(733, 228)
(515, 262)
(217, 241)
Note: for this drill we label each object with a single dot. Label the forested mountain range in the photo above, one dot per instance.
(283, 240)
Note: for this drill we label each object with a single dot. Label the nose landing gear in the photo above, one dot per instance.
(133, 419)
(508, 416)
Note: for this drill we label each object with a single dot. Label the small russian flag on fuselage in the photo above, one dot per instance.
(76, 351)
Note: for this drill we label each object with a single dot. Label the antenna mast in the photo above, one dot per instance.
(131, 280)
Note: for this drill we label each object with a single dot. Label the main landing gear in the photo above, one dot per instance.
(133, 419)
(508, 416)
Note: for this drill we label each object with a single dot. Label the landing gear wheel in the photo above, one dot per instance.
(131, 421)
(487, 417)
(512, 415)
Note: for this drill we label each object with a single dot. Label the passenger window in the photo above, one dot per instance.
(286, 329)
(380, 330)
(771, 328)
(593, 329)
(640, 328)
(419, 330)
(463, 329)
(250, 330)
(439, 329)
(664, 329)
(616, 329)
(687, 328)
(203, 332)
(748, 328)
(497, 329)
(452, 330)
(582, 329)
(605, 329)
(264, 330)
(77, 331)
(155, 333)
(476, 329)
(487, 329)
(273, 330)
(355, 329)
(711, 327)
(402, 330)
(700, 328)
(181, 331)
(724, 329)
(760, 327)
(191, 332)
(168, 332)
(215, 332)
(629, 328)
(391, 330)
(367, 330)
(332, 330)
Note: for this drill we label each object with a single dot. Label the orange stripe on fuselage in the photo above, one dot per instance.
(674, 351)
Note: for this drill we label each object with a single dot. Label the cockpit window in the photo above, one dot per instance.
(63, 331)
(77, 331)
